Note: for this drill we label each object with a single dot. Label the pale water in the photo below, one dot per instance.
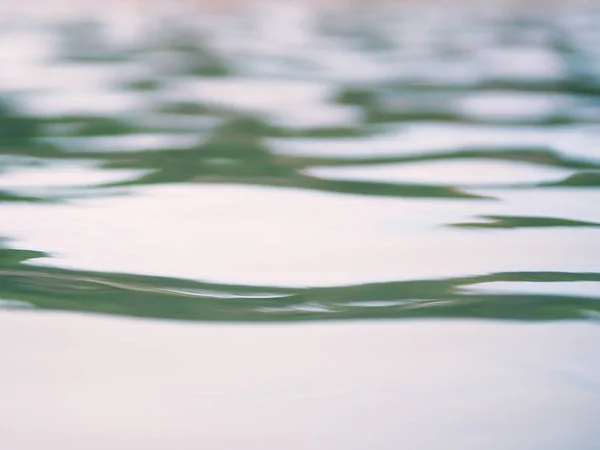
(291, 164)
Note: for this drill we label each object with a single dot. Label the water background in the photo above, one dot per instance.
(287, 162)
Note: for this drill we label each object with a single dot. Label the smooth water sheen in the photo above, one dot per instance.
(427, 385)
(287, 163)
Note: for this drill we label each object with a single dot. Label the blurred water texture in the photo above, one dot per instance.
(281, 162)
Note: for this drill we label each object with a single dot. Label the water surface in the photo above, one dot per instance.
(286, 163)
(343, 164)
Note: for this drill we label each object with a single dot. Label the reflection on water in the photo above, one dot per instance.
(343, 164)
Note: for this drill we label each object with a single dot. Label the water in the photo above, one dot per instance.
(297, 164)
(96, 382)
(342, 159)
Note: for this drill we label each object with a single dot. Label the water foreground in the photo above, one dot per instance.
(71, 381)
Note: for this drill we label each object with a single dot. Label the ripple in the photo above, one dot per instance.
(126, 143)
(454, 172)
(523, 64)
(298, 238)
(419, 139)
(575, 289)
(514, 106)
(86, 101)
(254, 95)
(64, 76)
(62, 175)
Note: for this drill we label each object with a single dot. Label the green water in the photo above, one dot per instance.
(342, 164)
